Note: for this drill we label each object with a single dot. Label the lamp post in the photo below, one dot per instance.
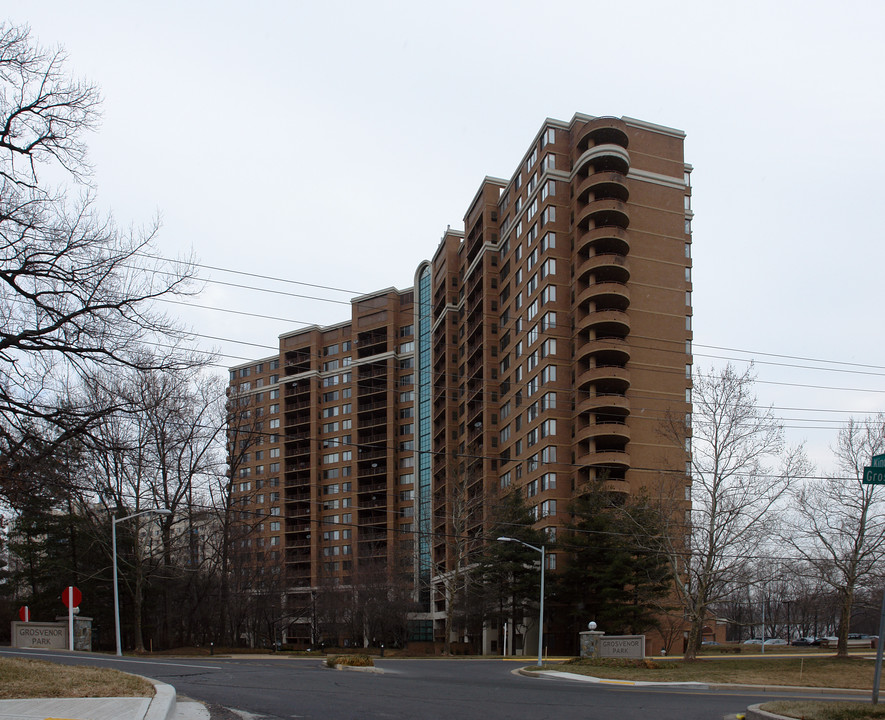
(114, 521)
(541, 613)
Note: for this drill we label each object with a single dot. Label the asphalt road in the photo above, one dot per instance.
(272, 689)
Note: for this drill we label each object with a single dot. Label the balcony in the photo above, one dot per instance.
(603, 404)
(609, 431)
(611, 295)
(601, 158)
(603, 131)
(603, 212)
(609, 323)
(614, 378)
(603, 185)
(603, 240)
(615, 459)
(601, 351)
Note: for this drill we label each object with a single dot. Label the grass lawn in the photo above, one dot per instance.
(814, 671)
(825, 710)
(39, 679)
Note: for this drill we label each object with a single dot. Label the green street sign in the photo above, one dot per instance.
(878, 461)
(874, 475)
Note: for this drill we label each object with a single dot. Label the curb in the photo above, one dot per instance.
(697, 685)
(162, 705)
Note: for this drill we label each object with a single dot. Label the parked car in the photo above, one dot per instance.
(753, 641)
(804, 642)
(709, 642)
(775, 641)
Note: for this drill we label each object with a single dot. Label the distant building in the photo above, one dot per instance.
(538, 350)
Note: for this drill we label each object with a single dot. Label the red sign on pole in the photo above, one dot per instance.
(72, 596)
(24, 614)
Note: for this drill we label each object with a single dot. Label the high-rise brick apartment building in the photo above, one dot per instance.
(538, 350)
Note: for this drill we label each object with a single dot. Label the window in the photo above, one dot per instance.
(505, 479)
(548, 508)
(275, 526)
(330, 396)
(330, 349)
(531, 437)
(532, 310)
(505, 434)
(274, 511)
(551, 558)
(274, 453)
(548, 189)
(275, 540)
(406, 330)
(548, 454)
(548, 481)
(407, 429)
(549, 162)
(273, 424)
(531, 412)
(548, 401)
(330, 427)
(330, 474)
(531, 209)
(548, 374)
(548, 137)
(331, 458)
(548, 267)
(275, 408)
(531, 285)
(531, 159)
(548, 321)
(330, 365)
(532, 361)
(532, 234)
(407, 347)
(531, 386)
(548, 428)
(548, 215)
(548, 242)
(532, 183)
(531, 259)
(548, 294)
(407, 396)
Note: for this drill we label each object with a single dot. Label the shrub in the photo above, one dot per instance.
(351, 660)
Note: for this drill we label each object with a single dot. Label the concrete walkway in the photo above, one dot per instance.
(162, 706)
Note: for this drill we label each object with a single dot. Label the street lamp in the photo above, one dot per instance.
(541, 614)
(114, 521)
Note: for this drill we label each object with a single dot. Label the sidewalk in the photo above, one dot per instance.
(160, 707)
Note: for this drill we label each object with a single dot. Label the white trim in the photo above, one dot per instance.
(657, 179)
(662, 129)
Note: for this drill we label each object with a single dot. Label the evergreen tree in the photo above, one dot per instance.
(506, 579)
(611, 577)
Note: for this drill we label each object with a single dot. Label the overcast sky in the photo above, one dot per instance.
(282, 138)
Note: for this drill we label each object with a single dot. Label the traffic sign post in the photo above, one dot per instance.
(24, 613)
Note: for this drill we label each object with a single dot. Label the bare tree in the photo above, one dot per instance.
(839, 523)
(75, 293)
(734, 492)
